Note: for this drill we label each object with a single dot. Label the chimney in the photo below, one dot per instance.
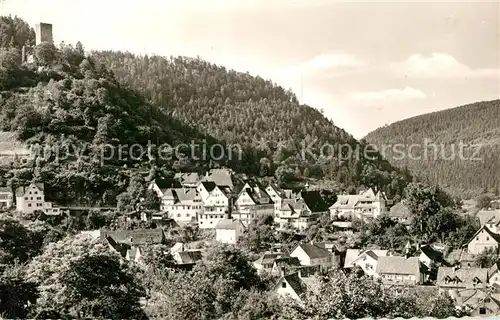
(43, 33)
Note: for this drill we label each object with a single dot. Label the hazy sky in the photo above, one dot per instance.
(366, 63)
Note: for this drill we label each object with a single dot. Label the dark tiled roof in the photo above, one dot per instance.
(314, 201)
(296, 283)
(221, 177)
(431, 253)
(209, 185)
(313, 251)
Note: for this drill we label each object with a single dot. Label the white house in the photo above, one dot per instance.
(366, 260)
(229, 230)
(31, 198)
(482, 240)
(184, 205)
(294, 215)
(399, 270)
(253, 202)
(367, 204)
(160, 186)
(312, 255)
(266, 261)
(278, 195)
(216, 203)
(6, 197)
(291, 286)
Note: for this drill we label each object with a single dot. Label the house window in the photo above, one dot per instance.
(477, 238)
(29, 204)
(25, 198)
(487, 300)
(482, 310)
(39, 198)
(283, 284)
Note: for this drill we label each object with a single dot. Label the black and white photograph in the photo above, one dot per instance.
(249, 159)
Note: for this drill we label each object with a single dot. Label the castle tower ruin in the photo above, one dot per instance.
(43, 33)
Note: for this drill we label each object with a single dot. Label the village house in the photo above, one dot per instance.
(138, 237)
(482, 240)
(188, 179)
(253, 202)
(184, 205)
(266, 261)
(429, 256)
(6, 197)
(285, 265)
(494, 275)
(229, 230)
(278, 195)
(399, 270)
(310, 254)
(300, 212)
(296, 284)
(32, 198)
(188, 258)
(400, 213)
(455, 279)
(160, 186)
(366, 205)
(216, 203)
(367, 260)
(478, 302)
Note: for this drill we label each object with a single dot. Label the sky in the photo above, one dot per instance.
(365, 64)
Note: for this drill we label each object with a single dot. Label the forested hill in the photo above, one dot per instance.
(76, 110)
(476, 125)
(264, 118)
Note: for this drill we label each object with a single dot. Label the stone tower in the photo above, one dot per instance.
(43, 33)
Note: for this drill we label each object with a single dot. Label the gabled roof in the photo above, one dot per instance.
(297, 285)
(493, 235)
(400, 210)
(465, 277)
(372, 253)
(22, 190)
(398, 265)
(163, 183)
(313, 251)
(221, 177)
(269, 257)
(188, 257)
(180, 195)
(257, 193)
(209, 185)
(287, 262)
(494, 268)
(132, 253)
(229, 224)
(314, 201)
(430, 252)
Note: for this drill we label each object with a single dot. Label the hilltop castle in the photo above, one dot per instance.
(43, 32)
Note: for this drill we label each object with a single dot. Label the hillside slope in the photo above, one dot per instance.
(476, 125)
(265, 119)
(84, 122)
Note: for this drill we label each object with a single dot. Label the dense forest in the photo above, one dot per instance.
(262, 117)
(90, 102)
(476, 125)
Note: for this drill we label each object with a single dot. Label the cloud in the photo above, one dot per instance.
(385, 97)
(440, 65)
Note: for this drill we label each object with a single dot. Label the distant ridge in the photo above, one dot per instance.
(476, 125)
